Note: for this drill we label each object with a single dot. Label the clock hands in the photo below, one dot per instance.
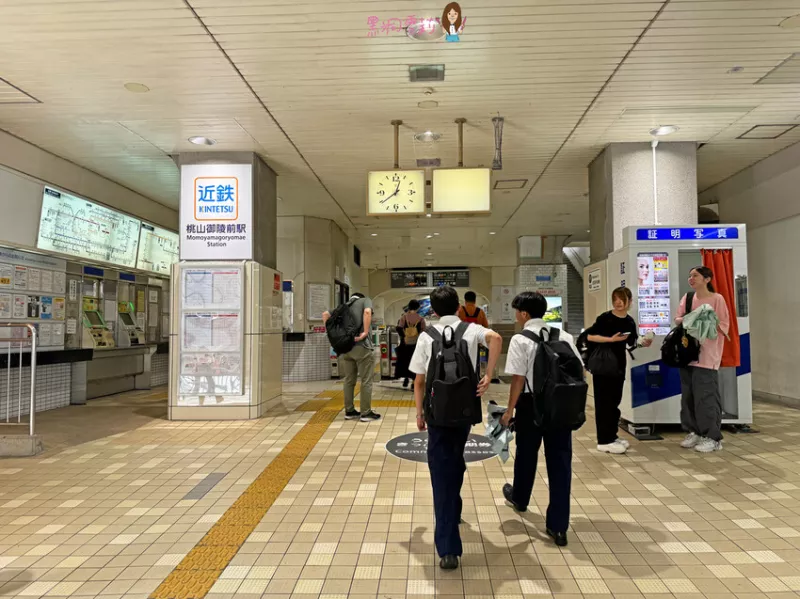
(396, 191)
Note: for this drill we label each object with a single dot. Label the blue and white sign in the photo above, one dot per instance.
(687, 234)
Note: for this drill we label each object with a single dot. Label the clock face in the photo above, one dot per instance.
(396, 193)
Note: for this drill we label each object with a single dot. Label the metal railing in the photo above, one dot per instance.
(8, 347)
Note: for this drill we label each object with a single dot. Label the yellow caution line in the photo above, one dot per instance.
(203, 565)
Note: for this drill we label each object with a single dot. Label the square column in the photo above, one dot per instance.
(226, 330)
(632, 184)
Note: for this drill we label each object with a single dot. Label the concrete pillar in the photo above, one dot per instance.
(226, 321)
(622, 191)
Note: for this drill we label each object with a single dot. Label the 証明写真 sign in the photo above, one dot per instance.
(687, 234)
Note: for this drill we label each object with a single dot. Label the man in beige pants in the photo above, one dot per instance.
(359, 363)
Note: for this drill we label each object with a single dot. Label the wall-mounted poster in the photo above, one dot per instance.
(554, 317)
(20, 306)
(6, 303)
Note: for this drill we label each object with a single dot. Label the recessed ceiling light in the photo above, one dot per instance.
(436, 235)
(663, 130)
(428, 104)
(492, 232)
(373, 234)
(137, 88)
(588, 230)
(425, 30)
(430, 254)
(199, 140)
(429, 237)
(427, 136)
(429, 215)
(791, 22)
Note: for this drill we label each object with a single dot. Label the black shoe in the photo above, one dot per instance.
(559, 537)
(449, 562)
(405, 384)
(508, 493)
(370, 416)
(354, 415)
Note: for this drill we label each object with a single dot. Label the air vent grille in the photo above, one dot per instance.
(428, 162)
(424, 73)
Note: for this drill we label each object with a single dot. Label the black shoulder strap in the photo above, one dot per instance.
(554, 333)
(531, 335)
(689, 301)
(434, 333)
(460, 330)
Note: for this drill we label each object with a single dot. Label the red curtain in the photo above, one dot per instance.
(721, 263)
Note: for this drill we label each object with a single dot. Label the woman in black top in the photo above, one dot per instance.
(617, 329)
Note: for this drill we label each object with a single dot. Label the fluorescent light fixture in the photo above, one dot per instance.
(663, 130)
(373, 234)
(436, 235)
(492, 232)
(199, 140)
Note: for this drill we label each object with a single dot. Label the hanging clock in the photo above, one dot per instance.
(396, 193)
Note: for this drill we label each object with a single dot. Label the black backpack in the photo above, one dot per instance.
(451, 387)
(679, 348)
(559, 393)
(343, 328)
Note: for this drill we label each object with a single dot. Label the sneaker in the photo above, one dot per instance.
(690, 441)
(354, 415)
(624, 443)
(370, 416)
(708, 445)
(616, 448)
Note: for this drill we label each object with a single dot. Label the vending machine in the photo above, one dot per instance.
(654, 263)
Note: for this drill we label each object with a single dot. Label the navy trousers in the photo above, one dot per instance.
(558, 455)
(447, 467)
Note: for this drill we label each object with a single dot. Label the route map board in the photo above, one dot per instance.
(158, 249)
(80, 228)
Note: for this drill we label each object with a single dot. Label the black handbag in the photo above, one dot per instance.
(603, 361)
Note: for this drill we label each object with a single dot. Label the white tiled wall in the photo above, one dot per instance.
(52, 390)
(307, 361)
(159, 370)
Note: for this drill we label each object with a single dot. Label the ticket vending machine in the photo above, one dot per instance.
(96, 334)
(654, 263)
(128, 332)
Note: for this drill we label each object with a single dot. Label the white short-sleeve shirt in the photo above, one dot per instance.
(474, 335)
(522, 351)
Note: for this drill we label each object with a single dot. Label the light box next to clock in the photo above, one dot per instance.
(462, 191)
(396, 193)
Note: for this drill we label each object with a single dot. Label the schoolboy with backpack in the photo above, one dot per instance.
(548, 401)
(448, 391)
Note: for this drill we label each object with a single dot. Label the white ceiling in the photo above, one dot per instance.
(303, 84)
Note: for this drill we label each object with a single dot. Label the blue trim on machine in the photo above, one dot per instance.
(655, 381)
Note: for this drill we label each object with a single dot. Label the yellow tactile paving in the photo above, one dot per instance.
(201, 568)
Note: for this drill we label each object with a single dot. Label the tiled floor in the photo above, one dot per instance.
(104, 512)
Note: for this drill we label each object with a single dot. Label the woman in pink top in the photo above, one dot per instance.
(701, 403)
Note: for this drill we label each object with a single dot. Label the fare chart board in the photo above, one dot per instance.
(74, 226)
(158, 249)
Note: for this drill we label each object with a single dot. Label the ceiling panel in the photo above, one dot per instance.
(304, 85)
